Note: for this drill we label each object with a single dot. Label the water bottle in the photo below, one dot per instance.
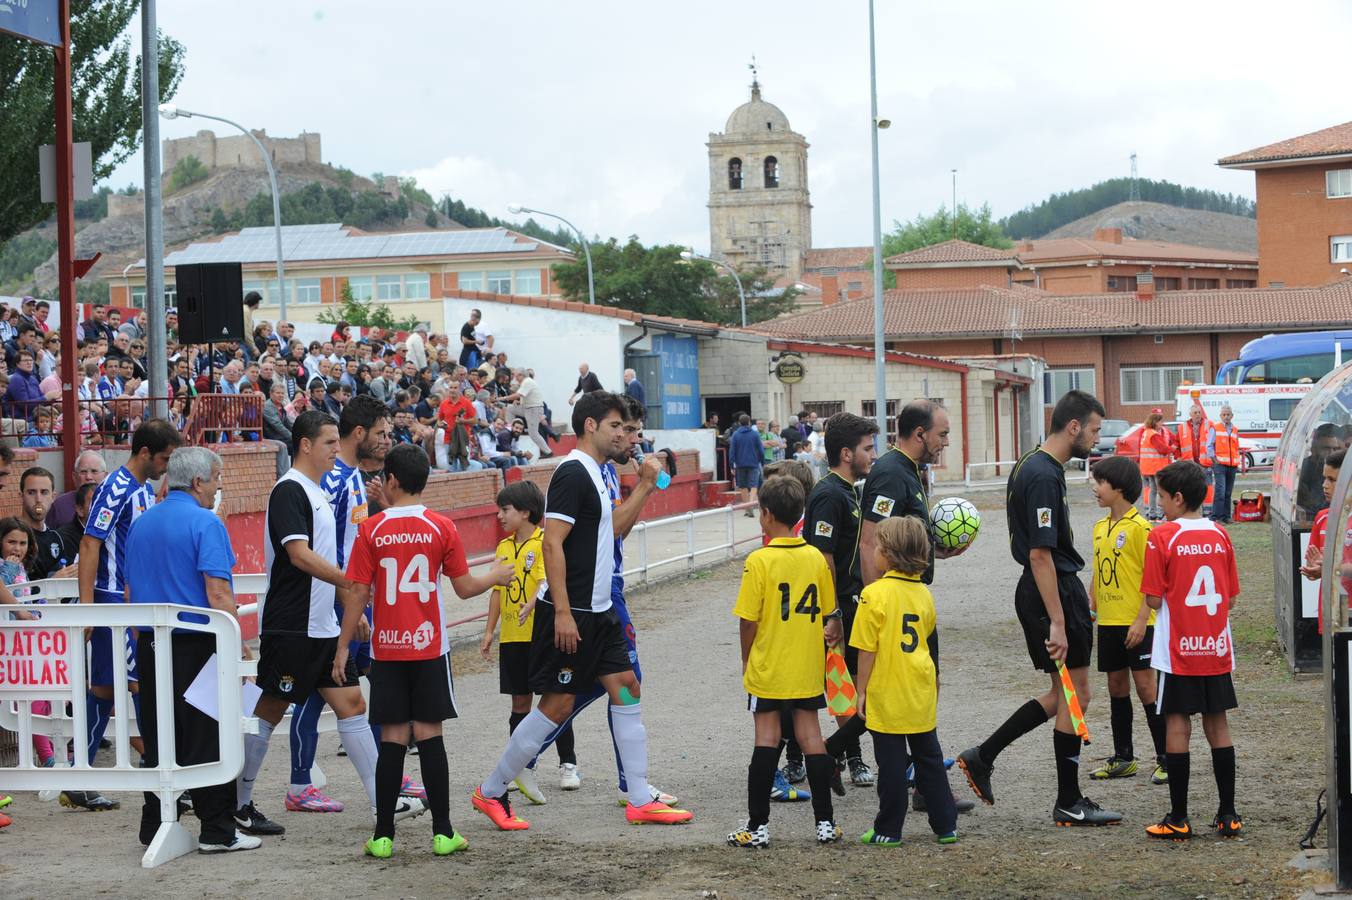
(663, 478)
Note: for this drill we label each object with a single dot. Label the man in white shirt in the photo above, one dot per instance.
(529, 403)
(416, 347)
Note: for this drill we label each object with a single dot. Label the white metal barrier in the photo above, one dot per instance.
(1002, 468)
(45, 660)
(728, 546)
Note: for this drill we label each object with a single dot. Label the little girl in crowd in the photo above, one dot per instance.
(17, 549)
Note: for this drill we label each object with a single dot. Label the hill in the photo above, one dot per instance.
(1034, 221)
(1161, 222)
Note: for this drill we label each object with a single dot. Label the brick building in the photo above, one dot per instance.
(1304, 190)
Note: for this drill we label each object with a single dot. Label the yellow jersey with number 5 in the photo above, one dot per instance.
(895, 622)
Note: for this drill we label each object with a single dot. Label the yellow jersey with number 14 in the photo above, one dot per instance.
(528, 557)
(895, 622)
(1119, 562)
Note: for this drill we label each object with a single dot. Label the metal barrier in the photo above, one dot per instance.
(45, 660)
(967, 480)
(204, 419)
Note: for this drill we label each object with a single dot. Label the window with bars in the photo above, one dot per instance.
(1156, 384)
(824, 409)
(869, 410)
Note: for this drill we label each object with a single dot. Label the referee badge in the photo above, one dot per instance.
(882, 506)
(1044, 517)
(824, 529)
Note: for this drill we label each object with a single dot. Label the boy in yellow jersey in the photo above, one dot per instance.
(1125, 622)
(785, 602)
(897, 688)
(521, 507)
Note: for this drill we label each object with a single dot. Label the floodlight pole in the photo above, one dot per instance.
(879, 346)
(591, 282)
(157, 372)
(741, 293)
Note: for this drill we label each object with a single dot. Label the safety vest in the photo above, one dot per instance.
(1151, 459)
(1227, 446)
(1185, 442)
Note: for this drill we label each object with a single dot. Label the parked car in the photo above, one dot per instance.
(1251, 453)
(1107, 442)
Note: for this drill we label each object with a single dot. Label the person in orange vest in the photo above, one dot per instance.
(1155, 455)
(1193, 437)
(1223, 449)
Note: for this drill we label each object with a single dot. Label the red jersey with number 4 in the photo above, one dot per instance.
(402, 553)
(1191, 564)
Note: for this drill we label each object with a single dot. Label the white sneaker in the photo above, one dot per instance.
(658, 795)
(241, 842)
(827, 832)
(406, 808)
(569, 779)
(530, 789)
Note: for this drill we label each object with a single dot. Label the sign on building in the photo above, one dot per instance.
(680, 379)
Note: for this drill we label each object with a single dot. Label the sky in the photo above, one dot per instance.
(599, 111)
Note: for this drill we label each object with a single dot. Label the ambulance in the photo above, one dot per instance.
(1261, 411)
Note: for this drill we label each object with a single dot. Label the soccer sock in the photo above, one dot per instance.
(631, 739)
(760, 778)
(97, 711)
(1223, 763)
(1067, 750)
(355, 733)
(1024, 720)
(846, 736)
(1179, 769)
(521, 748)
(1155, 722)
(304, 740)
(389, 778)
(1120, 712)
(619, 763)
(255, 748)
(514, 720)
(565, 744)
(437, 781)
(819, 769)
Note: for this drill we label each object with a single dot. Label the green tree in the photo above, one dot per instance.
(188, 170)
(96, 207)
(219, 223)
(365, 314)
(457, 211)
(106, 95)
(431, 221)
(1034, 221)
(973, 226)
(19, 256)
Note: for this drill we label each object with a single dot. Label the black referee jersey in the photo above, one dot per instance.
(1038, 512)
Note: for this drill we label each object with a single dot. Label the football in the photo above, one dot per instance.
(955, 522)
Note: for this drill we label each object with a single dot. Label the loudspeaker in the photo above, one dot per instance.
(210, 303)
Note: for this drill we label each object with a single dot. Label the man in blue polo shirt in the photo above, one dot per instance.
(178, 551)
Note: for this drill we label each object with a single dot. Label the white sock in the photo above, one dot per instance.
(631, 740)
(255, 748)
(525, 744)
(360, 744)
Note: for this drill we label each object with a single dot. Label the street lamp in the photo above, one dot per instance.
(170, 111)
(517, 209)
(688, 255)
(879, 350)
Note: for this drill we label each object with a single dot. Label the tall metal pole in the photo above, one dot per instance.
(879, 346)
(65, 245)
(591, 282)
(955, 204)
(741, 293)
(156, 358)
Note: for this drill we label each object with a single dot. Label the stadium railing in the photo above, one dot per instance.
(1076, 470)
(45, 660)
(206, 419)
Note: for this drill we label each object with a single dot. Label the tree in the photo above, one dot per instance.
(219, 223)
(106, 98)
(188, 170)
(973, 226)
(365, 314)
(431, 221)
(1061, 209)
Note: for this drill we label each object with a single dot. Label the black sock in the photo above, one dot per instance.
(389, 778)
(1179, 769)
(1024, 720)
(514, 720)
(845, 738)
(1119, 709)
(1223, 762)
(760, 778)
(819, 770)
(437, 781)
(1067, 750)
(565, 744)
(1155, 722)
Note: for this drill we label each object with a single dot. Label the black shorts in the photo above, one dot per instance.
(414, 690)
(294, 666)
(514, 667)
(1113, 654)
(601, 650)
(1036, 626)
(1192, 694)
(760, 704)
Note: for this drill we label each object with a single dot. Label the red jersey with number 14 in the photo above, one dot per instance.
(1191, 564)
(402, 553)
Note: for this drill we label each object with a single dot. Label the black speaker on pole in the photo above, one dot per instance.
(210, 303)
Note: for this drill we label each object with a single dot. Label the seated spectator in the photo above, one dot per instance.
(483, 407)
(489, 450)
(515, 439)
(41, 437)
(337, 396)
(24, 393)
(401, 432)
(276, 420)
(424, 408)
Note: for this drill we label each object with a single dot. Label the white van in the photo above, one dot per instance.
(1261, 410)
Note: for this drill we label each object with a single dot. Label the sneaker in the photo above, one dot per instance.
(828, 832)
(1115, 767)
(530, 788)
(860, 774)
(5, 800)
(656, 814)
(250, 821)
(1169, 830)
(1084, 812)
(411, 788)
(658, 795)
(879, 840)
(239, 842)
(90, 800)
(498, 810)
(569, 779)
(1160, 775)
(405, 808)
(380, 848)
(5, 821)
(750, 838)
(948, 837)
(312, 799)
(1228, 825)
(783, 792)
(445, 846)
(961, 804)
(978, 773)
(795, 771)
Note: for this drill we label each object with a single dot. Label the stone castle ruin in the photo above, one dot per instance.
(236, 151)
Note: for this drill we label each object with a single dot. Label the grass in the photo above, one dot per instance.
(1251, 619)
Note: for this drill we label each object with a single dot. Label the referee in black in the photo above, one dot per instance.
(1052, 606)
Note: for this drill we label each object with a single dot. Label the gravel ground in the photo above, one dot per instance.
(700, 738)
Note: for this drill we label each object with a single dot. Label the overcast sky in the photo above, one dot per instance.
(600, 110)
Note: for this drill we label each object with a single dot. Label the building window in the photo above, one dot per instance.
(869, 410)
(1338, 182)
(1168, 284)
(771, 172)
(363, 288)
(471, 281)
(1126, 283)
(499, 283)
(1156, 384)
(417, 286)
(1203, 284)
(138, 297)
(389, 287)
(1056, 382)
(824, 409)
(856, 287)
(170, 295)
(734, 174)
(1341, 249)
(528, 282)
(1233, 283)
(262, 288)
(307, 290)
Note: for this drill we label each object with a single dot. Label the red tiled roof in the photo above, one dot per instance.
(1332, 141)
(838, 258)
(953, 251)
(1055, 249)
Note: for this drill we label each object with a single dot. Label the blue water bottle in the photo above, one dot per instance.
(663, 477)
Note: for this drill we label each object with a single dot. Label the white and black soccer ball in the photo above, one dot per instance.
(955, 522)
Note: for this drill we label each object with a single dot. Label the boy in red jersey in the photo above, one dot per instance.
(1191, 578)
(1313, 569)
(397, 560)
